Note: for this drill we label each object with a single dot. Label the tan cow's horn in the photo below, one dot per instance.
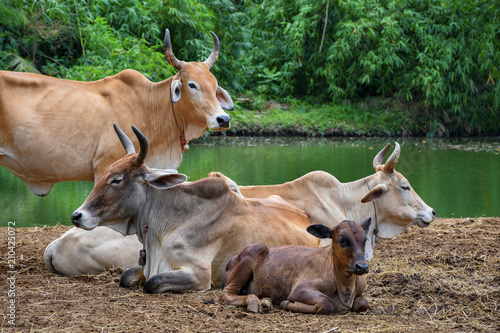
(143, 142)
(215, 52)
(169, 54)
(393, 159)
(126, 143)
(380, 156)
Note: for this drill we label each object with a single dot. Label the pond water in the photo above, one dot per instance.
(456, 177)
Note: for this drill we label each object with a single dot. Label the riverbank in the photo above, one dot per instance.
(443, 278)
(373, 117)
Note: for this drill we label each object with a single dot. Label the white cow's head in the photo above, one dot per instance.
(397, 205)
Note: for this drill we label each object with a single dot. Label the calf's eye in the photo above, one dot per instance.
(192, 85)
(405, 187)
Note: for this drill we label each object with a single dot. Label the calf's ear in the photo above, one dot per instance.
(374, 193)
(319, 231)
(165, 179)
(365, 224)
(224, 99)
(175, 90)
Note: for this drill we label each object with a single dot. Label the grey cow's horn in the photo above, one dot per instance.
(215, 52)
(169, 54)
(143, 142)
(126, 143)
(393, 159)
(380, 156)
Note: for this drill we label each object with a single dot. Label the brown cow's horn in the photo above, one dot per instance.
(215, 52)
(126, 143)
(380, 156)
(143, 142)
(393, 159)
(169, 54)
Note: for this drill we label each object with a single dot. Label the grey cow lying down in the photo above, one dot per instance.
(302, 279)
(79, 251)
(189, 231)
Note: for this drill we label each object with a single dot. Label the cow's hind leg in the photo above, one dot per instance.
(241, 275)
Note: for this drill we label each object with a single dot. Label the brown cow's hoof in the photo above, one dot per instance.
(284, 304)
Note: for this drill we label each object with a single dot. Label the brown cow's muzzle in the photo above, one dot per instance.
(224, 121)
(359, 266)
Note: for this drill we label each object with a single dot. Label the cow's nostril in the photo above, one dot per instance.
(75, 218)
(223, 121)
(433, 213)
(361, 268)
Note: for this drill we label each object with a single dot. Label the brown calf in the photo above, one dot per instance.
(304, 279)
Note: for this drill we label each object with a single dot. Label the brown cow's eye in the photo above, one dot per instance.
(343, 242)
(192, 85)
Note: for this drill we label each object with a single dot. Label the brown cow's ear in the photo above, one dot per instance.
(319, 231)
(165, 179)
(175, 90)
(224, 99)
(365, 224)
(375, 193)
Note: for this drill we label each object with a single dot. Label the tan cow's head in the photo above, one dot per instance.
(397, 204)
(195, 92)
(120, 193)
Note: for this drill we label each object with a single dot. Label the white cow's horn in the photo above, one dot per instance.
(393, 159)
(380, 156)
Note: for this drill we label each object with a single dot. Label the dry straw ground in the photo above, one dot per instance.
(442, 278)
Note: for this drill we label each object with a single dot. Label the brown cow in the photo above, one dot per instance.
(55, 130)
(386, 196)
(189, 231)
(303, 279)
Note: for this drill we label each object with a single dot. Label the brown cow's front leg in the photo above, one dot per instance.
(308, 301)
(360, 304)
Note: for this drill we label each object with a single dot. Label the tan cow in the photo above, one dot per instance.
(189, 231)
(79, 251)
(55, 130)
(302, 279)
(386, 196)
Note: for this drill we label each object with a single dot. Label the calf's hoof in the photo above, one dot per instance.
(253, 304)
(284, 304)
(266, 302)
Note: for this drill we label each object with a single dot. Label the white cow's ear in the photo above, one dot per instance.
(224, 99)
(165, 179)
(175, 90)
(375, 193)
(319, 231)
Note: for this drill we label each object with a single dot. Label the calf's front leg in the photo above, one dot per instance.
(307, 300)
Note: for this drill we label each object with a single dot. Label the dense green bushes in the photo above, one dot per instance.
(438, 60)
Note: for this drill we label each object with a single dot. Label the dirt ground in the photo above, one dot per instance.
(442, 278)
